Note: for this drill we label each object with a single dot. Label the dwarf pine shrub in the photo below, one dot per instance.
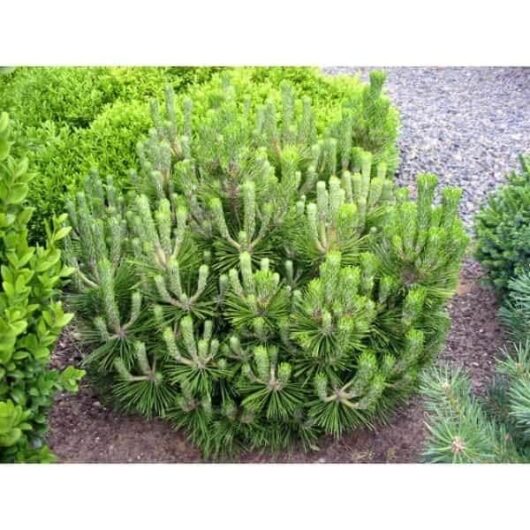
(31, 318)
(503, 229)
(462, 428)
(333, 97)
(260, 284)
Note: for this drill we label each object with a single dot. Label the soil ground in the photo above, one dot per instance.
(84, 430)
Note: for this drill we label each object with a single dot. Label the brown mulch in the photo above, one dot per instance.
(82, 429)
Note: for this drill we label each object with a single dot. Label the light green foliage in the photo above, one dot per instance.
(503, 229)
(260, 283)
(69, 119)
(64, 95)
(110, 143)
(51, 151)
(63, 155)
(31, 318)
(75, 96)
(371, 120)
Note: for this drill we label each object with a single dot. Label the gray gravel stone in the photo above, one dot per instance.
(466, 125)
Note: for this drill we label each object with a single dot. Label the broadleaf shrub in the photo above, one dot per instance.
(75, 96)
(110, 143)
(65, 119)
(31, 318)
(260, 283)
(63, 95)
(503, 229)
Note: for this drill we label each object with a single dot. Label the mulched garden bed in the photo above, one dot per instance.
(82, 429)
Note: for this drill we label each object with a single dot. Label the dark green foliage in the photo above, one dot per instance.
(515, 312)
(503, 229)
(460, 430)
(465, 428)
(31, 318)
(260, 283)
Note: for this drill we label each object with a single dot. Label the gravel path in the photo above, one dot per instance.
(467, 125)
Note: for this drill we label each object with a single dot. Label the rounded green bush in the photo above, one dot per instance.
(65, 119)
(260, 284)
(503, 229)
(110, 143)
(63, 95)
(75, 96)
